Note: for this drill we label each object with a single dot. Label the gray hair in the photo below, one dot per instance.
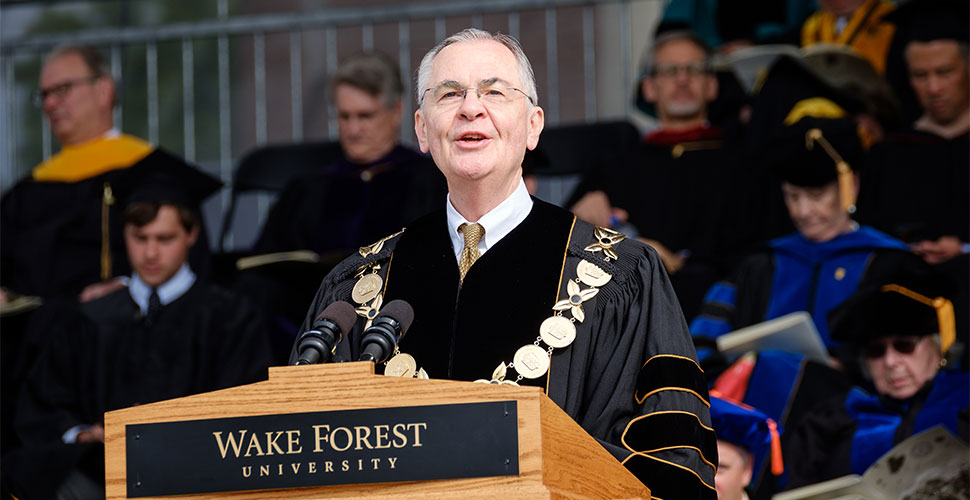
(372, 72)
(647, 62)
(96, 63)
(526, 75)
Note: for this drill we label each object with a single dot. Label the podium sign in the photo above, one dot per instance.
(480, 442)
(376, 445)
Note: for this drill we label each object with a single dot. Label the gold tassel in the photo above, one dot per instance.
(846, 178)
(846, 187)
(944, 313)
(107, 200)
(948, 329)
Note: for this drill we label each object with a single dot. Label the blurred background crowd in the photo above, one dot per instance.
(179, 177)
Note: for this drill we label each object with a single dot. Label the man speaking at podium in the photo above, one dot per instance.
(550, 300)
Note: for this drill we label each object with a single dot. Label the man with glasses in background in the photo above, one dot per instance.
(58, 232)
(675, 187)
(610, 346)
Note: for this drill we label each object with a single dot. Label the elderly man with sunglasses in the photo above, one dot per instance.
(903, 332)
(508, 289)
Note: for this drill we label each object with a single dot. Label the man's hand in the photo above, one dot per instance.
(93, 435)
(98, 290)
(941, 250)
(671, 260)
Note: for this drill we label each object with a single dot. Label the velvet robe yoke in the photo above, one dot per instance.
(631, 374)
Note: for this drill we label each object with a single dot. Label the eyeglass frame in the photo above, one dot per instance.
(464, 92)
(60, 90)
(903, 345)
(671, 70)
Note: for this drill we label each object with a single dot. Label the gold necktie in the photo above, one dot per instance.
(469, 254)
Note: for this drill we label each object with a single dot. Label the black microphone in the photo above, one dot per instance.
(386, 331)
(316, 345)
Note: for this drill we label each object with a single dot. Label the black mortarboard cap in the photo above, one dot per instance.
(928, 20)
(898, 302)
(790, 80)
(854, 79)
(800, 156)
(164, 178)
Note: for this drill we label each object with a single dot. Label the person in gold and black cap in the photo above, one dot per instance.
(167, 334)
(903, 331)
(828, 257)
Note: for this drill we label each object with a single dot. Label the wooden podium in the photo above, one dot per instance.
(557, 458)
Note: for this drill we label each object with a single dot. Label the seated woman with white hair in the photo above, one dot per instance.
(902, 332)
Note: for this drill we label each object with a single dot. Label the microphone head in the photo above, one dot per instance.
(400, 311)
(341, 313)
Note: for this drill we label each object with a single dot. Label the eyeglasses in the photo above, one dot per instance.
(877, 349)
(671, 70)
(444, 97)
(61, 90)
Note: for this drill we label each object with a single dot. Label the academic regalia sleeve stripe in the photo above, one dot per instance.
(692, 448)
(669, 372)
(667, 479)
(664, 429)
(662, 389)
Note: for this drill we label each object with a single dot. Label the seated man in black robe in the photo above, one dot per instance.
(375, 189)
(509, 288)
(675, 186)
(59, 235)
(166, 335)
(917, 183)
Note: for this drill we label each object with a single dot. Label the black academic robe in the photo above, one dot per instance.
(101, 356)
(346, 205)
(630, 378)
(916, 186)
(682, 189)
(51, 235)
(846, 435)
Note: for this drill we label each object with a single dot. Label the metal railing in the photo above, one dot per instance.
(582, 51)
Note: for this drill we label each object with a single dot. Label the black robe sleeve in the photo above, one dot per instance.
(820, 446)
(646, 394)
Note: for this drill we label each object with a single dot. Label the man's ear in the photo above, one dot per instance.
(420, 131)
(104, 92)
(537, 121)
(646, 87)
(712, 88)
(396, 112)
(748, 471)
(193, 235)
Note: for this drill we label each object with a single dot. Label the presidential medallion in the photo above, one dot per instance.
(531, 361)
(367, 288)
(591, 274)
(557, 331)
(401, 365)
